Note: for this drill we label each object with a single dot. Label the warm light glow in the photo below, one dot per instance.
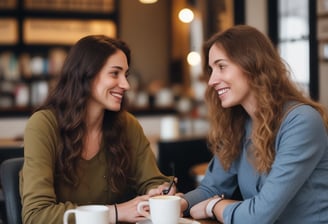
(186, 15)
(147, 1)
(193, 58)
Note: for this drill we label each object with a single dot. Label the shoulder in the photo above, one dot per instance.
(303, 122)
(42, 118)
(133, 126)
(130, 117)
(304, 113)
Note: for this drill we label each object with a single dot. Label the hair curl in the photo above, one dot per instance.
(68, 101)
(269, 79)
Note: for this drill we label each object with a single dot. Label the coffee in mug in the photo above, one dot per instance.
(164, 209)
(88, 214)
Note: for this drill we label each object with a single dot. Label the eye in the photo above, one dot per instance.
(114, 73)
(127, 74)
(221, 66)
(209, 70)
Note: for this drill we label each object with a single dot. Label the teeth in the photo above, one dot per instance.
(222, 91)
(117, 95)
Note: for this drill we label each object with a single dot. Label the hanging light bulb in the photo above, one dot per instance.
(148, 1)
(193, 58)
(186, 15)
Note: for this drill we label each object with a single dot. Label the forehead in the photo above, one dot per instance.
(216, 53)
(118, 58)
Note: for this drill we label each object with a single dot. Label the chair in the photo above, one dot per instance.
(176, 157)
(9, 175)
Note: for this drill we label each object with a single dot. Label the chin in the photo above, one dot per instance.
(226, 105)
(114, 108)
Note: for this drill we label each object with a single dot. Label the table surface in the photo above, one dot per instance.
(208, 221)
(10, 143)
(202, 221)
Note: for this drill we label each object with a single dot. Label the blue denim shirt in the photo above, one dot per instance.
(295, 191)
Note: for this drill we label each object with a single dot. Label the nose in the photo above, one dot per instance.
(124, 83)
(214, 79)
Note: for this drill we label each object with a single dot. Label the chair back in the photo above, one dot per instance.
(9, 174)
(176, 157)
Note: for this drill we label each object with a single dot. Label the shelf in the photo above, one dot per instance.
(27, 111)
(15, 112)
(34, 47)
(69, 15)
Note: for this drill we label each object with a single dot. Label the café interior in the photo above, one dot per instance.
(165, 36)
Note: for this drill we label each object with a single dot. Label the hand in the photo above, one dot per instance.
(164, 186)
(183, 203)
(127, 211)
(198, 211)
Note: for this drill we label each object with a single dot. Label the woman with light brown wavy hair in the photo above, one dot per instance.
(269, 139)
(81, 147)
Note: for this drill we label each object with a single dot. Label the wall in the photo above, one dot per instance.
(146, 28)
(12, 127)
(256, 14)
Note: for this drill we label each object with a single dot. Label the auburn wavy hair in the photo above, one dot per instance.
(68, 101)
(269, 79)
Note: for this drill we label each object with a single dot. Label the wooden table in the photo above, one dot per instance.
(208, 221)
(202, 221)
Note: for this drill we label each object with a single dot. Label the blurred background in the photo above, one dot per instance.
(165, 36)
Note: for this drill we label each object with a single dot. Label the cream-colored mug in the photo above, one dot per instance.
(88, 214)
(164, 209)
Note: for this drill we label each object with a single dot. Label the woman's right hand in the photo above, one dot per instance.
(127, 211)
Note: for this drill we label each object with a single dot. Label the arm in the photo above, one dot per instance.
(146, 172)
(300, 144)
(149, 180)
(37, 181)
(217, 181)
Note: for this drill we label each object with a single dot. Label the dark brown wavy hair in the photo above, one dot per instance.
(68, 101)
(269, 78)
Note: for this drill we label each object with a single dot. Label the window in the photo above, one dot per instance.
(293, 39)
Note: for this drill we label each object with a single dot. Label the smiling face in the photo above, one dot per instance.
(110, 83)
(229, 81)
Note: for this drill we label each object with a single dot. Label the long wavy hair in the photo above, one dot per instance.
(68, 101)
(269, 78)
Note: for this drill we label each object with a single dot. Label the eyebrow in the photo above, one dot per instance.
(120, 68)
(117, 67)
(218, 60)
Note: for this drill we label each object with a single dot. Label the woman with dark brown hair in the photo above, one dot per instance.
(269, 139)
(81, 147)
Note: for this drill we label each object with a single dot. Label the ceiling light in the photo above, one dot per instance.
(186, 15)
(148, 1)
(193, 58)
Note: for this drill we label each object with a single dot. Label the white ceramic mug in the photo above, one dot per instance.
(164, 209)
(170, 127)
(88, 214)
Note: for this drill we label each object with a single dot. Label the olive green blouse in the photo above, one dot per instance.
(46, 196)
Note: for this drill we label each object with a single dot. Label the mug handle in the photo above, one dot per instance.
(66, 215)
(140, 209)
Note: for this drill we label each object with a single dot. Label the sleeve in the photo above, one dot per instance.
(146, 171)
(216, 181)
(300, 145)
(37, 177)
